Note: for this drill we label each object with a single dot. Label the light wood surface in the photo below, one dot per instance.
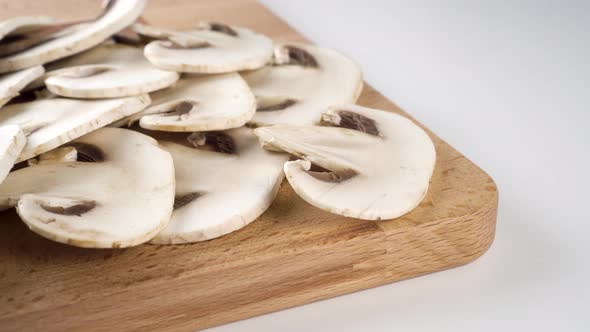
(294, 254)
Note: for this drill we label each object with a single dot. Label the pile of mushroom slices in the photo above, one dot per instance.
(115, 133)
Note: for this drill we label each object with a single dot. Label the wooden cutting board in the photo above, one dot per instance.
(294, 254)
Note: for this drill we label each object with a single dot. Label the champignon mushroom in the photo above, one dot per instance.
(151, 33)
(199, 103)
(119, 192)
(224, 181)
(378, 164)
(22, 42)
(53, 122)
(107, 71)
(303, 81)
(116, 16)
(12, 83)
(12, 141)
(15, 27)
(213, 48)
(61, 154)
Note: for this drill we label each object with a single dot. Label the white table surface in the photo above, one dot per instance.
(508, 84)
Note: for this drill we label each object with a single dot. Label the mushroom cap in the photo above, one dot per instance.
(199, 103)
(12, 83)
(23, 24)
(378, 169)
(107, 71)
(121, 200)
(53, 122)
(118, 15)
(211, 51)
(295, 91)
(218, 193)
(12, 141)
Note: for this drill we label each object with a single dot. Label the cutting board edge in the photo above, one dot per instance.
(485, 219)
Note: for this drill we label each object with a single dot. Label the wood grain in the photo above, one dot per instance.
(294, 254)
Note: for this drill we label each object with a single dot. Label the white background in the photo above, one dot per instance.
(508, 84)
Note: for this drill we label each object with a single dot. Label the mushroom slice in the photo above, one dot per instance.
(50, 123)
(119, 192)
(12, 141)
(12, 83)
(61, 154)
(199, 103)
(14, 28)
(303, 81)
(219, 190)
(148, 32)
(107, 71)
(378, 163)
(27, 40)
(214, 48)
(117, 15)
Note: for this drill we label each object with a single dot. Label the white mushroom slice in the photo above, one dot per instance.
(215, 48)
(27, 40)
(218, 191)
(118, 15)
(12, 141)
(53, 122)
(12, 83)
(380, 168)
(199, 103)
(17, 26)
(151, 32)
(107, 71)
(304, 81)
(119, 193)
(58, 155)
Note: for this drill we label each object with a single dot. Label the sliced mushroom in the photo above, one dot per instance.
(148, 32)
(53, 122)
(224, 181)
(12, 141)
(58, 155)
(14, 28)
(377, 164)
(214, 48)
(12, 83)
(119, 192)
(107, 71)
(22, 42)
(128, 37)
(199, 103)
(303, 82)
(118, 15)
